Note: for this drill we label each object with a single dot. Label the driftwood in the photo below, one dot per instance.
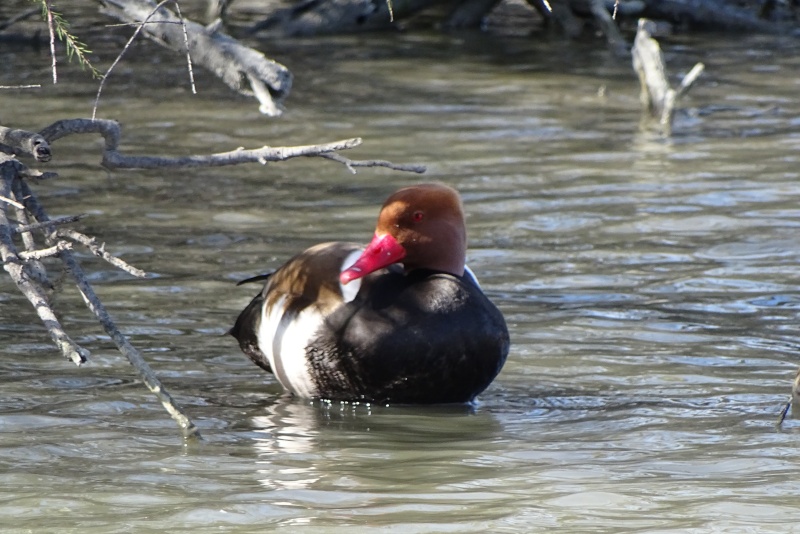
(656, 95)
(243, 69)
(23, 219)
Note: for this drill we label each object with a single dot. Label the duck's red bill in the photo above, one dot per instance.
(382, 251)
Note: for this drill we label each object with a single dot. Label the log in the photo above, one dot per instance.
(243, 69)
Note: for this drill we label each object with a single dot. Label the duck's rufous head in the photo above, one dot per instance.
(421, 226)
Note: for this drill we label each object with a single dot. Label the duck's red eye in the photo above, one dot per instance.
(418, 215)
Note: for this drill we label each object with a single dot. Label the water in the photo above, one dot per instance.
(651, 289)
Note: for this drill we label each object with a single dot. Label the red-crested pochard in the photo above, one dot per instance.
(402, 321)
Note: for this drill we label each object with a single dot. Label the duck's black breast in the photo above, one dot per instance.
(425, 337)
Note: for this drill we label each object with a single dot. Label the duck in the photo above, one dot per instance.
(402, 320)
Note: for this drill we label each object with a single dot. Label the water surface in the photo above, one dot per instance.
(651, 288)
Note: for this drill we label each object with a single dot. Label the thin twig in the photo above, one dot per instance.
(55, 222)
(49, 252)
(33, 266)
(119, 57)
(15, 267)
(52, 29)
(32, 86)
(419, 169)
(784, 411)
(100, 251)
(12, 202)
(136, 24)
(186, 42)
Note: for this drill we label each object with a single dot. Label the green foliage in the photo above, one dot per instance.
(75, 48)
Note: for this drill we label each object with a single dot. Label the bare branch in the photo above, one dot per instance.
(113, 159)
(15, 266)
(350, 164)
(30, 86)
(96, 306)
(26, 143)
(33, 266)
(119, 57)
(46, 252)
(12, 202)
(243, 69)
(188, 51)
(100, 252)
(55, 222)
(52, 29)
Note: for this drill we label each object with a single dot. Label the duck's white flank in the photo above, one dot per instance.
(283, 338)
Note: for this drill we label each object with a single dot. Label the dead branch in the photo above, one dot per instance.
(23, 192)
(243, 69)
(350, 164)
(113, 159)
(54, 222)
(20, 142)
(656, 95)
(11, 201)
(100, 251)
(48, 252)
(19, 272)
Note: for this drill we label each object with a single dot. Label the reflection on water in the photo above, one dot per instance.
(650, 287)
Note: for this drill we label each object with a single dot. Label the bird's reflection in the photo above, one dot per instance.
(299, 441)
